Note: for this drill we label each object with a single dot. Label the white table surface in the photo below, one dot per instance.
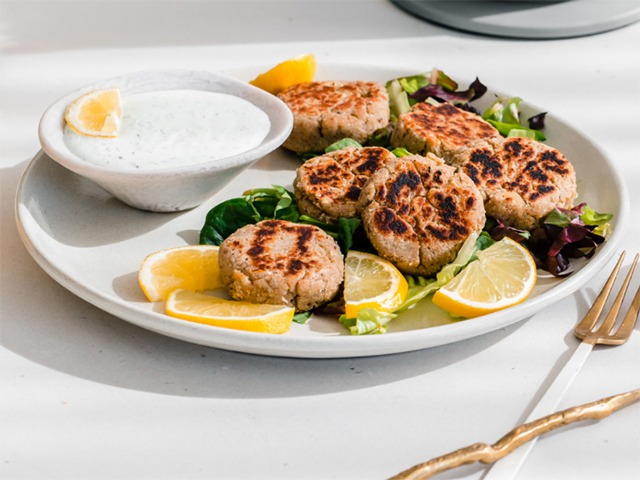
(85, 395)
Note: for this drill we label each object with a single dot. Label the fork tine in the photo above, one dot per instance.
(624, 332)
(584, 327)
(606, 326)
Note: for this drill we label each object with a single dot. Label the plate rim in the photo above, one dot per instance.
(334, 346)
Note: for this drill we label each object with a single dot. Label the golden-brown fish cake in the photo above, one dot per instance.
(418, 211)
(328, 187)
(281, 263)
(521, 180)
(325, 112)
(439, 129)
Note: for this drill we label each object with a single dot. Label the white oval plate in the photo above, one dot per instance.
(93, 245)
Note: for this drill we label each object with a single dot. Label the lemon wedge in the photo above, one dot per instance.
(200, 308)
(192, 267)
(371, 282)
(503, 275)
(96, 114)
(286, 74)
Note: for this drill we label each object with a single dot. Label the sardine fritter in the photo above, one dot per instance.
(438, 129)
(281, 263)
(328, 187)
(325, 112)
(521, 180)
(418, 211)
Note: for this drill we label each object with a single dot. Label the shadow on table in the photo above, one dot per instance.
(78, 339)
(85, 342)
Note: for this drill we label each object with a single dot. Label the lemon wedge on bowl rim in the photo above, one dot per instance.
(200, 308)
(296, 70)
(503, 276)
(372, 282)
(192, 267)
(96, 114)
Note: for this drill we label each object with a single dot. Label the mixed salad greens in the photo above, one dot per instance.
(436, 87)
(564, 234)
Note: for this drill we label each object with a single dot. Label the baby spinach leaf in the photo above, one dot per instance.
(343, 232)
(346, 229)
(227, 217)
(308, 156)
(255, 205)
(327, 227)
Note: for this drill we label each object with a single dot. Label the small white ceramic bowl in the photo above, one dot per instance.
(169, 189)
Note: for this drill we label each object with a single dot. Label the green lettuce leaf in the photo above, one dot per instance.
(560, 218)
(420, 287)
(591, 217)
(369, 321)
(302, 317)
(506, 128)
(494, 112)
(521, 132)
(398, 99)
(603, 230)
(511, 113)
(506, 119)
(401, 152)
(340, 144)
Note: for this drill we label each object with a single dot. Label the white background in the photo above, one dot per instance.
(85, 395)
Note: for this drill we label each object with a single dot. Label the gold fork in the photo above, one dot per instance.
(535, 425)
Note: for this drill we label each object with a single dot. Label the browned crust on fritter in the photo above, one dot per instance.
(418, 211)
(439, 129)
(328, 187)
(325, 112)
(521, 180)
(281, 263)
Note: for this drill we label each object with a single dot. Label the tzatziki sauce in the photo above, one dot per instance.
(174, 128)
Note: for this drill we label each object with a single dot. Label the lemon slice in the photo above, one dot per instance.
(193, 267)
(295, 70)
(371, 282)
(503, 275)
(200, 308)
(96, 114)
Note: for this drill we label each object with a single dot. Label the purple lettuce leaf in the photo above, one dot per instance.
(479, 89)
(553, 245)
(475, 91)
(467, 107)
(501, 230)
(537, 121)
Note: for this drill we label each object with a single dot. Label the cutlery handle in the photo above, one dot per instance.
(480, 452)
(508, 467)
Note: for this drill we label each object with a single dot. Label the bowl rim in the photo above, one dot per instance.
(52, 123)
